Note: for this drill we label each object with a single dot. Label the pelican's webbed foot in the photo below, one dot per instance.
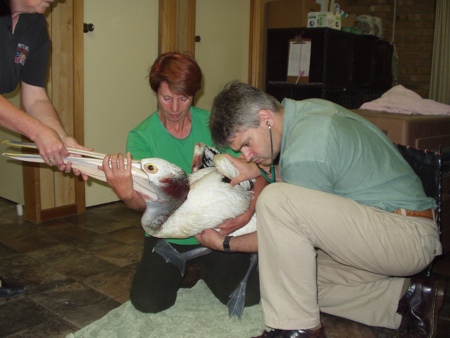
(237, 298)
(171, 255)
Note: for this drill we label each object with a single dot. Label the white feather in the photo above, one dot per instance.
(211, 201)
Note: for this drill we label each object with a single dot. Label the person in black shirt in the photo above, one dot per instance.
(24, 59)
(24, 52)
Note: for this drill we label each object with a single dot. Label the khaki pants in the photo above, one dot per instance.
(321, 252)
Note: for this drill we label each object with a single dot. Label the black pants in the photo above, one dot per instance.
(155, 284)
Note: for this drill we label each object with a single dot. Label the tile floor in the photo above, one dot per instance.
(78, 268)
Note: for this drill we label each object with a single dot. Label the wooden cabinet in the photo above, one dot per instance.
(345, 68)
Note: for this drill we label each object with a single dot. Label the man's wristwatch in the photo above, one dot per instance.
(226, 244)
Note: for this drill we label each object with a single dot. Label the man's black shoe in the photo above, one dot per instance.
(420, 308)
(318, 333)
(7, 291)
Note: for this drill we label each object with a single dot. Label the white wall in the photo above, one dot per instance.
(222, 53)
(117, 58)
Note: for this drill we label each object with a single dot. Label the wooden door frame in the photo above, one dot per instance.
(78, 92)
(66, 193)
(177, 32)
(257, 44)
(176, 26)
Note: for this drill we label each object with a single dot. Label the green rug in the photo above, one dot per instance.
(196, 313)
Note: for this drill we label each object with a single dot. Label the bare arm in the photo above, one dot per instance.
(213, 240)
(38, 105)
(47, 139)
(41, 125)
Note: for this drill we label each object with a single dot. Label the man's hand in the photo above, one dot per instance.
(233, 224)
(41, 124)
(213, 240)
(51, 147)
(70, 142)
(247, 170)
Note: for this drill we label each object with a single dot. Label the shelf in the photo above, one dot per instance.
(345, 68)
(300, 84)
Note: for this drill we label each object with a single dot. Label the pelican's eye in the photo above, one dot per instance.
(151, 168)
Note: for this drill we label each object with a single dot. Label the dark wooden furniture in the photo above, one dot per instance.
(345, 68)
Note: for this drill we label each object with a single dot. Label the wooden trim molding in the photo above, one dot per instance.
(256, 62)
(186, 29)
(78, 95)
(31, 186)
(168, 26)
(176, 26)
(177, 32)
(58, 212)
(49, 193)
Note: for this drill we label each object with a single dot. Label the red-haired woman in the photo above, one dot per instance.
(171, 133)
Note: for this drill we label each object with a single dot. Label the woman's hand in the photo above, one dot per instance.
(118, 175)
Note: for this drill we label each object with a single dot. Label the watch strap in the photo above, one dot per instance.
(226, 244)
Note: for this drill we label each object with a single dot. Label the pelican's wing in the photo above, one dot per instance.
(25, 157)
(88, 166)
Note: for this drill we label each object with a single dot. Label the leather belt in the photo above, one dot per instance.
(424, 213)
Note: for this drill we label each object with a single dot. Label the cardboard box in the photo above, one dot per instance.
(324, 19)
(289, 13)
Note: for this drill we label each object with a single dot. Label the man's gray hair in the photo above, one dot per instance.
(236, 109)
